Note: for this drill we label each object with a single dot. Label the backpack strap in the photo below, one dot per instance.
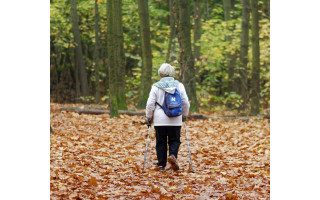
(159, 105)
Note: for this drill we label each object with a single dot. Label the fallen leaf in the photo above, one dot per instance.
(93, 181)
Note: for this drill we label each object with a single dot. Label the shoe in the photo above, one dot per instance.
(161, 168)
(173, 161)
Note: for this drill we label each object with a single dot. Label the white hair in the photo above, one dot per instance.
(166, 70)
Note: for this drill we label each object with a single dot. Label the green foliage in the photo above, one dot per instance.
(211, 69)
(130, 16)
(87, 99)
(159, 30)
(132, 84)
(61, 35)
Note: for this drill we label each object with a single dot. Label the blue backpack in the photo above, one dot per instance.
(172, 104)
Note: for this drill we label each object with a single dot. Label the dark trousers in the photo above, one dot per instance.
(173, 134)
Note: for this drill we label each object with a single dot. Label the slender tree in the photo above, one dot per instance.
(78, 50)
(76, 75)
(96, 52)
(205, 8)
(146, 53)
(187, 71)
(197, 29)
(172, 30)
(231, 57)
(255, 82)
(244, 45)
(113, 103)
(119, 55)
(54, 64)
(104, 56)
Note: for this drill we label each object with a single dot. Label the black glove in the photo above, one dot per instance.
(149, 121)
(184, 118)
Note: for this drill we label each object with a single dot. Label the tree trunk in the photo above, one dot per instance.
(266, 8)
(231, 58)
(244, 45)
(76, 75)
(146, 73)
(106, 68)
(119, 55)
(206, 9)
(96, 52)
(187, 71)
(116, 58)
(197, 29)
(172, 31)
(57, 79)
(113, 103)
(78, 49)
(255, 82)
(175, 24)
(105, 61)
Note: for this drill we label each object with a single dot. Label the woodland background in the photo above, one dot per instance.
(220, 49)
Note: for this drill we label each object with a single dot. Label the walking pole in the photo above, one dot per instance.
(145, 155)
(185, 128)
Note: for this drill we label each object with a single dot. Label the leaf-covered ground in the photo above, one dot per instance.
(95, 157)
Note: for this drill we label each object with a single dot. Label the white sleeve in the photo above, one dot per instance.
(185, 101)
(151, 102)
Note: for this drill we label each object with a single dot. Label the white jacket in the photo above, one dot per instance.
(159, 117)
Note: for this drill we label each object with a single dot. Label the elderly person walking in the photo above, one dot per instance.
(167, 128)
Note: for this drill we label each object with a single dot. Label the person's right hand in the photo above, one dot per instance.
(184, 118)
(149, 121)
